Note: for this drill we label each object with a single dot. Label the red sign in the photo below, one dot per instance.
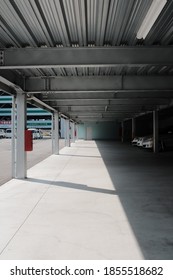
(5, 122)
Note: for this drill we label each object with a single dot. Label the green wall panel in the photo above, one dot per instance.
(99, 131)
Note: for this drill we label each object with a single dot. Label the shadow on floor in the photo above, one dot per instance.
(144, 185)
(79, 156)
(63, 184)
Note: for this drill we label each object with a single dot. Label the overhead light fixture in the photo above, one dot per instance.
(150, 18)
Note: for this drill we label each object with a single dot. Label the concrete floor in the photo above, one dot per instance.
(96, 200)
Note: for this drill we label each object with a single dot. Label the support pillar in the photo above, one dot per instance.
(13, 138)
(73, 132)
(122, 132)
(55, 133)
(20, 162)
(133, 128)
(77, 131)
(155, 132)
(67, 132)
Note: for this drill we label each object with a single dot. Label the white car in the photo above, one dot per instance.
(148, 143)
(2, 133)
(140, 141)
(8, 133)
(36, 134)
(135, 141)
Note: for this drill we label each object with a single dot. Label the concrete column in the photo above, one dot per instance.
(68, 132)
(52, 130)
(64, 130)
(133, 128)
(77, 131)
(21, 168)
(155, 132)
(13, 138)
(55, 133)
(73, 131)
(122, 132)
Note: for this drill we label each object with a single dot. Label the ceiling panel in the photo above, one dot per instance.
(91, 24)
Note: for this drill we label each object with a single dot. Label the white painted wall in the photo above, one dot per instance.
(96, 131)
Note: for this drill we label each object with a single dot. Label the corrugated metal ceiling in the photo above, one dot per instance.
(80, 23)
(83, 23)
(102, 71)
(64, 23)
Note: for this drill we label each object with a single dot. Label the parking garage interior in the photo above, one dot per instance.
(106, 68)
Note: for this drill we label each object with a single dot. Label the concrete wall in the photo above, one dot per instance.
(96, 131)
(81, 131)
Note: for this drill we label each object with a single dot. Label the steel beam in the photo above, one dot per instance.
(109, 108)
(5, 88)
(76, 83)
(103, 116)
(79, 113)
(109, 102)
(12, 79)
(107, 95)
(144, 94)
(89, 84)
(97, 120)
(86, 57)
(39, 103)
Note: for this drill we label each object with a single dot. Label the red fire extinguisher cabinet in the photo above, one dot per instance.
(28, 141)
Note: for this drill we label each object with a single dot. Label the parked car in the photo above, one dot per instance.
(2, 133)
(165, 142)
(36, 133)
(8, 133)
(148, 143)
(140, 141)
(135, 141)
